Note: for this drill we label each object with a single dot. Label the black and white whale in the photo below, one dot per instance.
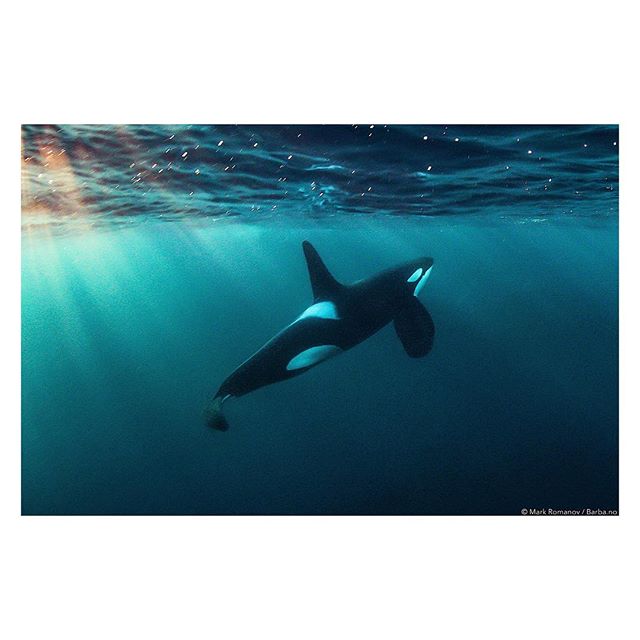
(340, 317)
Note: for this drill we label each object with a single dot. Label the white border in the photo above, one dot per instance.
(278, 62)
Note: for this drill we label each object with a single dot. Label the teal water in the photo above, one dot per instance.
(130, 323)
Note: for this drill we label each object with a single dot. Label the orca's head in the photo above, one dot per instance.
(415, 275)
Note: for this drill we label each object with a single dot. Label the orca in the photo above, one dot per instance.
(340, 317)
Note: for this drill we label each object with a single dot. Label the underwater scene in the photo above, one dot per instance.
(319, 319)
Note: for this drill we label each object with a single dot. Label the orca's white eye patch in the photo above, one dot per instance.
(312, 356)
(415, 275)
(423, 281)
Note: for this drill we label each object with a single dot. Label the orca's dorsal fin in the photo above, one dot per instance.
(323, 285)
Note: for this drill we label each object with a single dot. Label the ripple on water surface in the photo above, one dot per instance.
(114, 174)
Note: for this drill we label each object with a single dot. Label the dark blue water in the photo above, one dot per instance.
(156, 259)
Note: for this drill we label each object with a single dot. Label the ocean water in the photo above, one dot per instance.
(157, 258)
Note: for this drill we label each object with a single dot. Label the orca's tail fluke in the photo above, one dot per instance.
(213, 414)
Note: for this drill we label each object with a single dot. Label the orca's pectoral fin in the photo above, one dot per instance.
(415, 329)
(213, 415)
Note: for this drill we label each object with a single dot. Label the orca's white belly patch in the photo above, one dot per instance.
(312, 356)
(326, 310)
